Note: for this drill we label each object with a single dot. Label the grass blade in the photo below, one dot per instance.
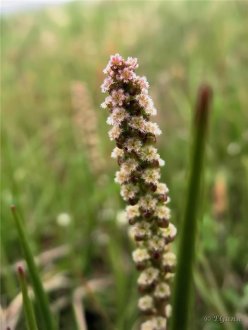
(28, 308)
(40, 294)
(186, 252)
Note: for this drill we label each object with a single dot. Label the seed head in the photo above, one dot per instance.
(130, 109)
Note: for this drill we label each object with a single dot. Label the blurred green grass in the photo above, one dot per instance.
(47, 172)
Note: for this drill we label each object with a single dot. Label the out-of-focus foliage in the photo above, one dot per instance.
(48, 171)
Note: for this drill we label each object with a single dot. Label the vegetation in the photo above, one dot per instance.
(72, 208)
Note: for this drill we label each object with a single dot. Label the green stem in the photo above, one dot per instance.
(28, 308)
(186, 253)
(40, 294)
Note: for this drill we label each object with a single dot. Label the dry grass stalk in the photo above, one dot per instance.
(10, 316)
(42, 259)
(86, 125)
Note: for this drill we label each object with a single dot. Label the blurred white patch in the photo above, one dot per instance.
(63, 219)
(233, 149)
(121, 218)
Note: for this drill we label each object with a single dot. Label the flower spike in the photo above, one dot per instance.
(130, 108)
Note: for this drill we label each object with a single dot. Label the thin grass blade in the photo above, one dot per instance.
(27, 304)
(186, 252)
(40, 294)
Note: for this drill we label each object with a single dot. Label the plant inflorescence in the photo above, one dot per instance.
(147, 211)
